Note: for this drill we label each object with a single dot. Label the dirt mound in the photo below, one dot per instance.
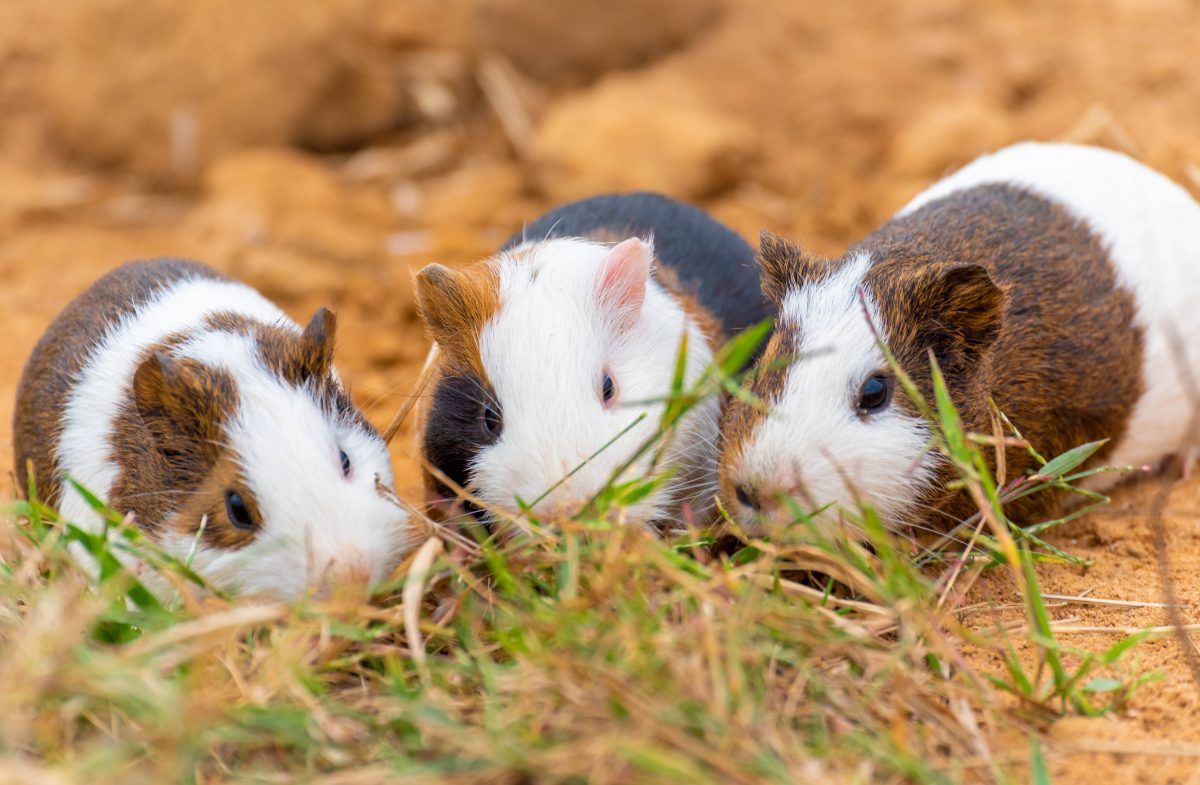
(564, 43)
(630, 133)
(196, 81)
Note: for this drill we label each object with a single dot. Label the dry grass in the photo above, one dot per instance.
(591, 652)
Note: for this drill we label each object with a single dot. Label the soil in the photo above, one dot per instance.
(358, 144)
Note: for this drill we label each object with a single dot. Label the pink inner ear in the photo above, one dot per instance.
(623, 280)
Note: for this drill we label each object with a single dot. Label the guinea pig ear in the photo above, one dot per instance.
(622, 282)
(316, 344)
(443, 301)
(965, 306)
(784, 265)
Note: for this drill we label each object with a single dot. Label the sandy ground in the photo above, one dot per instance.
(812, 119)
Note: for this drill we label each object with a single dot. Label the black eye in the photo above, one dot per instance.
(875, 394)
(238, 512)
(607, 388)
(492, 422)
(345, 459)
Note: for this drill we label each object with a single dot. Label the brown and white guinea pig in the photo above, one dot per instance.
(193, 403)
(1047, 277)
(555, 346)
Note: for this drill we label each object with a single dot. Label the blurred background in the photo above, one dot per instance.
(322, 151)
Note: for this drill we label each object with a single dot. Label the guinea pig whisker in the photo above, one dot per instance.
(465, 519)
(494, 513)
(432, 527)
(914, 526)
(696, 485)
(167, 492)
(549, 232)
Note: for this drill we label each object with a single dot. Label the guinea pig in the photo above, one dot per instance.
(194, 405)
(1045, 277)
(553, 357)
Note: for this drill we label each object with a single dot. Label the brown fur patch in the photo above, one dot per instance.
(455, 305)
(1064, 359)
(782, 265)
(1019, 303)
(169, 440)
(63, 351)
(295, 358)
(206, 505)
(302, 359)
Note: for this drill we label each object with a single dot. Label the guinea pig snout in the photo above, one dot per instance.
(758, 498)
(348, 577)
(563, 505)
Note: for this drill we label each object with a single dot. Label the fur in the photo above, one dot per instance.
(712, 264)
(815, 444)
(190, 384)
(555, 420)
(1150, 228)
(548, 335)
(1044, 277)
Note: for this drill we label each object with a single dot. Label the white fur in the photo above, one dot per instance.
(545, 353)
(314, 521)
(814, 444)
(1151, 228)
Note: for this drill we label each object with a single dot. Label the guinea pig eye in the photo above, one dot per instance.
(238, 512)
(607, 388)
(492, 422)
(875, 394)
(345, 459)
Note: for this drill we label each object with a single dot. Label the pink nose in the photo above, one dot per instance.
(347, 580)
(564, 504)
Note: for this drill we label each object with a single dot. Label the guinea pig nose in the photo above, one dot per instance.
(348, 581)
(747, 496)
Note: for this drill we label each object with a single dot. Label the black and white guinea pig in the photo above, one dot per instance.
(192, 403)
(556, 345)
(1046, 277)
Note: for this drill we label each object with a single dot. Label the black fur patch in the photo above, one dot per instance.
(455, 431)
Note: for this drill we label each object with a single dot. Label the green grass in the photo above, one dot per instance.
(584, 651)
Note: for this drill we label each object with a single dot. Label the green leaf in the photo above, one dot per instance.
(735, 354)
(1039, 618)
(634, 491)
(1103, 685)
(951, 424)
(745, 555)
(1118, 649)
(1037, 763)
(1070, 459)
